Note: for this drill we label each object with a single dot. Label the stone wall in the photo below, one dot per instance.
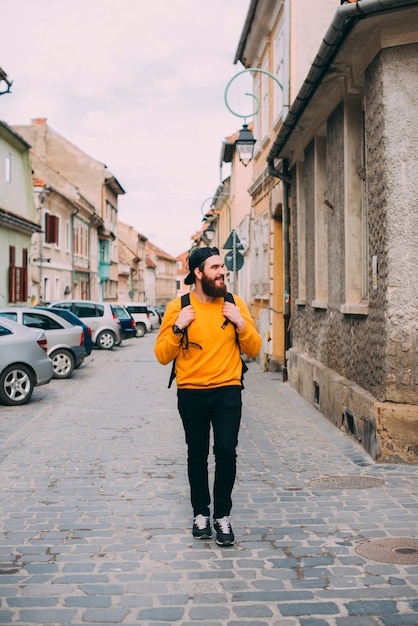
(392, 131)
(361, 370)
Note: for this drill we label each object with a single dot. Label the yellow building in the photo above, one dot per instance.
(278, 42)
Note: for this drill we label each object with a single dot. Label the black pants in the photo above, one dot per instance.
(198, 409)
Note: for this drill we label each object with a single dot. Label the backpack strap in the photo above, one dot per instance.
(230, 298)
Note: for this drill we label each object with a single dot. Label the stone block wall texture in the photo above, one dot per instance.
(392, 129)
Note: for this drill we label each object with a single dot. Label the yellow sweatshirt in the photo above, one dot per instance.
(217, 362)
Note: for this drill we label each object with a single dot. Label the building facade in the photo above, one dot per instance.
(164, 267)
(352, 151)
(18, 220)
(132, 264)
(278, 42)
(65, 255)
(94, 182)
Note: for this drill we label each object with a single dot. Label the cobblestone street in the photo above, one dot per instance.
(96, 520)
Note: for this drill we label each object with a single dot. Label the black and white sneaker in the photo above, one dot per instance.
(224, 534)
(201, 527)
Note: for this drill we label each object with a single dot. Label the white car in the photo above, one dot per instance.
(65, 341)
(140, 313)
(24, 362)
(104, 323)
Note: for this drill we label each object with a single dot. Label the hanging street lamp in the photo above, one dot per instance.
(246, 141)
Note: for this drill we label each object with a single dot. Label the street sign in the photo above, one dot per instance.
(229, 260)
(229, 245)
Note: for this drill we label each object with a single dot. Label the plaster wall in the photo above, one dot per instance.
(308, 25)
(392, 129)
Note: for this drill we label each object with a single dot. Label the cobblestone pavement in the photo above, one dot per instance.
(96, 520)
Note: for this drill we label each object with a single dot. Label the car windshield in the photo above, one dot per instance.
(120, 311)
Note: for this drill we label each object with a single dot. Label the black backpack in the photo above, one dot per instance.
(185, 301)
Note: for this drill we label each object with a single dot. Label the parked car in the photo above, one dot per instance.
(65, 341)
(154, 317)
(161, 310)
(24, 363)
(127, 322)
(76, 321)
(140, 313)
(105, 326)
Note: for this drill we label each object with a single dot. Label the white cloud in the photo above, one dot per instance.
(137, 85)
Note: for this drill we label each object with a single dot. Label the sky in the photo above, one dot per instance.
(137, 85)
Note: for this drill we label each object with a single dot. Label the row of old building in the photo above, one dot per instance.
(324, 213)
(60, 235)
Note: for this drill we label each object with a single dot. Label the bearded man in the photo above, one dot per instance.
(206, 350)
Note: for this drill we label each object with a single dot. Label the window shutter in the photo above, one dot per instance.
(55, 223)
(12, 274)
(51, 228)
(24, 292)
(47, 228)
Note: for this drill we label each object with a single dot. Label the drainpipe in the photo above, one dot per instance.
(286, 255)
(286, 179)
(73, 214)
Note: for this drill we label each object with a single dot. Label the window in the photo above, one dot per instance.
(93, 243)
(355, 209)
(9, 316)
(257, 122)
(46, 295)
(111, 215)
(81, 239)
(88, 310)
(67, 237)
(265, 109)
(18, 276)
(104, 251)
(84, 288)
(278, 54)
(39, 320)
(8, 168)
(51, 229)
(321, 225)
(301, 232)
(261, 267)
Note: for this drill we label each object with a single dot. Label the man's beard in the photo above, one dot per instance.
(210, 288)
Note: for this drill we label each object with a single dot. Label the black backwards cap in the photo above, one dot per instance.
(196, 259)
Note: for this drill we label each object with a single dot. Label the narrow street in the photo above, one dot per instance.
(96, 520)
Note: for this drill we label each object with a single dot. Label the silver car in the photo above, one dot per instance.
(24, 362)
(140, 313)
(65, 341)
(104, 324)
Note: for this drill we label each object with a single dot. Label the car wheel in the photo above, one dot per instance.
(62, 363)
(16, 385)
(105, 340)
(141, 329)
